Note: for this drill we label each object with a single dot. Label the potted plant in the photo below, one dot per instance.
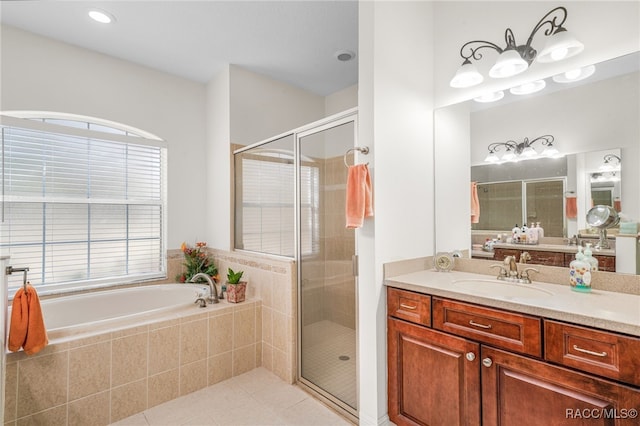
(236, 289)
(196, 260)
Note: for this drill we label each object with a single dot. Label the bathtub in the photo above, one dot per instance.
(82, 315)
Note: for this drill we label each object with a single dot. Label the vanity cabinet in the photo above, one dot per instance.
(478, 365)
(553, 258)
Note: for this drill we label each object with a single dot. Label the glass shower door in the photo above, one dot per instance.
(327, 284)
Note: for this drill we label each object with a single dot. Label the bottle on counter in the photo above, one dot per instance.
(515, 234)
(580, 273)
(588, 257)
(532, 235)
(540, 231)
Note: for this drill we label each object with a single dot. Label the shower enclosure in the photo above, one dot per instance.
(327, 273)
(290, 201)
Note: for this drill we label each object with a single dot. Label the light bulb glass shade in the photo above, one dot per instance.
(101, 16)
(529, 152)
(551, 151)
(509, 156)
(492, 158)
(528, 88)
(490, 97)
(559, 46)
(466, 76)
(575, 75)
(509, 63)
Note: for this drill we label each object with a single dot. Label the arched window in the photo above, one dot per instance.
(84, 201)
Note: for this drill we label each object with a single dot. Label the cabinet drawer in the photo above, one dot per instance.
(516, 332)
(409, 306)
(501, 253)
(606, 263)
(600, 352)
(548, 258)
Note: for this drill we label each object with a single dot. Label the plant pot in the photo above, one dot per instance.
(236, 292)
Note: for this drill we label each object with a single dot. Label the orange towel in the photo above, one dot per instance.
(359, 202)
(27, 325)
(571, 209)
(475, 203)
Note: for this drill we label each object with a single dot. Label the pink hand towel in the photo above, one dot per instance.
(359, 203)
(27, 328)
(571, 208)
(475, 203)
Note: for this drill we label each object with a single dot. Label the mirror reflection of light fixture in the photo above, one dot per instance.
(490, 97)
(575, 74)
(605, 177)
(528, 88)
(524, 150)
(611, 163)
(514, 59)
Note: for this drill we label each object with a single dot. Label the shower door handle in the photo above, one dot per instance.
(354, 264)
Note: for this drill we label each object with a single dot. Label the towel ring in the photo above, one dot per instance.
(362, 149)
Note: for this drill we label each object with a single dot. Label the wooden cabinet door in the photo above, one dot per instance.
(501, 253)
(434, 378)
(525, 392)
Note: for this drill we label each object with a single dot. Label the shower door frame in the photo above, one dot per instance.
(348, 116)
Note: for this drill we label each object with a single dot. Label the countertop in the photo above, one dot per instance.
(600, 309)
(552, 247)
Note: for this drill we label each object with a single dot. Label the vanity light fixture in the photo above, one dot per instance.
(575, 75)
(611, 163)
(514, 59)
(101, 16)
(524, 150)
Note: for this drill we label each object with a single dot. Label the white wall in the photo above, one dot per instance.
(262, 107)
(44, 75)
(218, 159)
(396, 114)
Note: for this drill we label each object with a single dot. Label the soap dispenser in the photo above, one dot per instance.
(580, 273)
(540, 230)
(588, 257)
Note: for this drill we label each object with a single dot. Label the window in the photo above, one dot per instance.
(265, 200)
(84, 204)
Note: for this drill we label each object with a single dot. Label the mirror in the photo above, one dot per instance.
(602, 217)
(588, 120)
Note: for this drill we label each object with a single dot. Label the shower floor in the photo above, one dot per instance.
(326, 346)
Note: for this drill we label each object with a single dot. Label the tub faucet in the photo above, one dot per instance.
(213, 291)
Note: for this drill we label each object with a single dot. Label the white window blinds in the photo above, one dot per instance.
(265, 202)
(80, 210)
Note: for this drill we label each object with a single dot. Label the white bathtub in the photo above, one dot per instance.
(69, 317)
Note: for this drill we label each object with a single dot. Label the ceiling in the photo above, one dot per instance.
(291, 41)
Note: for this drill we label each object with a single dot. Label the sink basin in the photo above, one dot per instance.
(504, 289)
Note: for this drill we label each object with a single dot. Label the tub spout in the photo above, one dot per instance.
(213, 291)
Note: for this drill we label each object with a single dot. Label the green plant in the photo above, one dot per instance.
(234, 277)
(196, 261)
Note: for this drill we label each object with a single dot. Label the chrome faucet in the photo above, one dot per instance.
(512, 274)
(213, 291)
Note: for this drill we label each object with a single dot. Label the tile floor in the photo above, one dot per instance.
(255, 398)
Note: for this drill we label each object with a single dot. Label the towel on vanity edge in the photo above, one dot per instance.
(359, 203)
(27, 328)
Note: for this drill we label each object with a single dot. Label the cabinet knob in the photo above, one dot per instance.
(487, 362)
(470, 356)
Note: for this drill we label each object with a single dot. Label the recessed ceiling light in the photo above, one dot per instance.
(101, 16)
(344, 55)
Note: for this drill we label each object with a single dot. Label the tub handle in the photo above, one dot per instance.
(10, 270)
